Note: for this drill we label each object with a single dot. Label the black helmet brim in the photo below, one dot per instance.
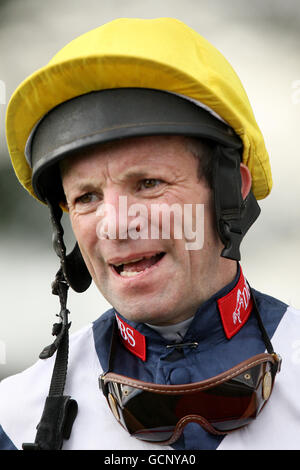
(104, 116)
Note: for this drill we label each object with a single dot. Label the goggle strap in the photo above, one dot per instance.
(192, 419)
(113, 345)
(193, 387)
(264, 333)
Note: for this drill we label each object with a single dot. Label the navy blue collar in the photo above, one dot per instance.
(206, 327)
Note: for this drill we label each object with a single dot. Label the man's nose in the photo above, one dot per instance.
(116, 216)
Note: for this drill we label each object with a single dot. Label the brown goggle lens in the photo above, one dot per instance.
(158, 413)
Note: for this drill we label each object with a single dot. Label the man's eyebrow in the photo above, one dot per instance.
(132, 173)
(140, 171)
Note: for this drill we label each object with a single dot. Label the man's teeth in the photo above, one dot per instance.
(130, 273)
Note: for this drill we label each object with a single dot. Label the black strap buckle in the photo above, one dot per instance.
(55, 425)
(234, 216)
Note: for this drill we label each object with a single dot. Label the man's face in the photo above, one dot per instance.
(152, 280)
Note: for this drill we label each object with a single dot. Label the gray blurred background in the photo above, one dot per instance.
(261, 39)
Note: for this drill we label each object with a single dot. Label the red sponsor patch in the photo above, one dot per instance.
(235, 307)
(132, 339)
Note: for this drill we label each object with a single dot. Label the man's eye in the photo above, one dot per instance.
(150, 183)
(86, 198)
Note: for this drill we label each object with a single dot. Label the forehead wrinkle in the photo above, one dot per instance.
(120, 161)
(81, 170)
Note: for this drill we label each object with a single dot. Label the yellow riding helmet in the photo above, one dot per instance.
(160, 54)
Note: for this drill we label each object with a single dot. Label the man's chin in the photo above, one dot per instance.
(158, 315)
(140, 313)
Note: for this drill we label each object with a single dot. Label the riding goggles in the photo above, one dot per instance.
(221, 404)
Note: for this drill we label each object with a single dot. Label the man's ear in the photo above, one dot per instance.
(246, 180)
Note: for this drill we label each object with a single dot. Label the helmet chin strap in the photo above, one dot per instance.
(234, 216)
(60, 410)
(72, 265)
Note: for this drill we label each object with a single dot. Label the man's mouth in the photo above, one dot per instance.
(137, 266)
